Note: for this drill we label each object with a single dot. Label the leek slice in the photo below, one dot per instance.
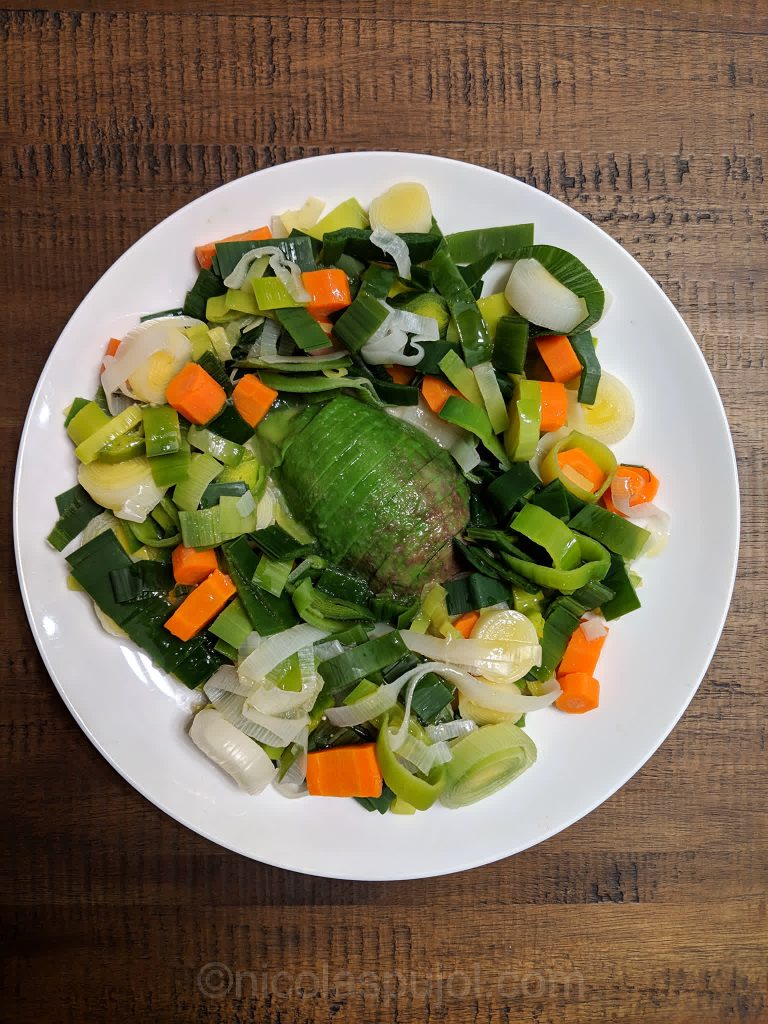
(584, 346)
(610, 417)
(484, 762)
(419, 793)
(405, 206)
(127, 488)
(522, 436)
(495, 406)
(617, 534)
(348, 214)
(462, 378)
(494, 308)
(560, 291)
(502, 242)
(88, 449)
(202, 470)
(471, 417)
(596, 450)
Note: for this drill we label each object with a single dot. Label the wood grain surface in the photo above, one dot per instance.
(650, 119)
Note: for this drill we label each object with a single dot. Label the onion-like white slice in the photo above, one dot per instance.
(593, 626)
(127, 488)
(227, 679)
(293, 782)
(505, 661)
(612, 415)
(393, 246)
(541, 298)
(658, 526)
(446, 731)
(506, 699)
(423, 756)
(285, 270)
(237, 754)
(271, 651)
(367, 708)
(386, 345)
(136, 352)
(285, 729)
(265, 510)
(443, 433)
(302, 219)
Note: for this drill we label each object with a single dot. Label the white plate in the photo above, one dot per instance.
(652, 663)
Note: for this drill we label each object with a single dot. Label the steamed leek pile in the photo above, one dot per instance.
(396, 586)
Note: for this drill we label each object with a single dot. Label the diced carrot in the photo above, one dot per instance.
(328, 289)
(201, 606)
(436, 393)
(401, 374)
(643, 486)
(581, 469)
(581, 692)
(561, 361)
(205, 253)
(466, 623)
(195, 394)
(191, 566)
(112, 347)
(344, 771)
(581, 655)
(252, 398)
(554, 405)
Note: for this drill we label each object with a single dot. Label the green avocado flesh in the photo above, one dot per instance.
(378, 494)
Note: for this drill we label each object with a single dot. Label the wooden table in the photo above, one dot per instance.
(651, 120)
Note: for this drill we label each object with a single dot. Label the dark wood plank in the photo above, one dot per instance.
(651, 120)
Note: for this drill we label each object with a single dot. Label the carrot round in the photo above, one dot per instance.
(191, 566)
(344, 771)
(554, 405)
(436, 393)
(328, 290)
(205, 253)
(559, 357)
(581, 692)
(643, 487)
(581, 655)
(466, 623)
(401, 374)
(201, 606)
(195, 394)
(252, 398)
(581, 468)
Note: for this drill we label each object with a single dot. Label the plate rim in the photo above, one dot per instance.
(480, 860)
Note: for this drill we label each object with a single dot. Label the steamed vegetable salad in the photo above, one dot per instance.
(310, 492)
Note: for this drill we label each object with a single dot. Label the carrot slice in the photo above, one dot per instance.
(581, 655)
(328, 290)
(436, 393)
(201, 606)
(561, 361)
(205, 253)
(581, 469)
(400, 374)
(554, 405)
(466, 623)
(643, 487)
(581, 692)
(191, 566)
(344, 771)
(195, 394)
(252, 398)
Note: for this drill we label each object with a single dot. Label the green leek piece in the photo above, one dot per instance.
(509, 489)
(357, 242)
(572, 273)
(381, 803)
(601, 455)
(491, 566)
(561, 543)
(272, 575)
(595, 561)
(348, 214)
(427, 304)
(326, 612)
(307, 385)
(624, 598)
(434, 607)
(527, 604)
(200, 339)
(141, 580)
(510, 346)
(559, 626)
(150, 536)
(88, 449)
(229, 652)
(74, 409)
(219, 448)
(472, 331)
(232, 521)
(267, 614)
(554, 498)
(231, 425)
(475, 591)
(297, 249)
(365, 688)
(129, 446)
(170, 470)
(473, 274)
(280, 545)
(160, 313)
(471, 417)
(217, 311)
(304, 330)
(250, 472)
(619, 535)
(232, 625)
(502, 242)
(377, 281)
(358, 663)
(203, 469)
(584, 347)
(86, 421)
(192, 662)
(162, 432)
(214, 492)
(360, 321)
(220, 343)
(462, 378)
(431, 696)
(522, 437)
(420, 793)
(205, 287)
(241, 301)
(346, 586)
(484, 762)
(271, 293)
(214, 367)
(493, 309)
(76, 509)
(493, 400)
